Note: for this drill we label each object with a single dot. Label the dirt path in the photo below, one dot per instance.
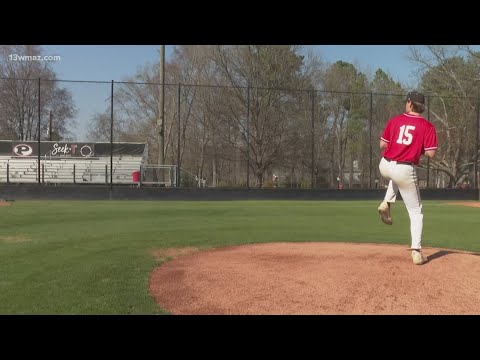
(471, 204)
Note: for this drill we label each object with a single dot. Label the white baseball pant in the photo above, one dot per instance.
(403, 178)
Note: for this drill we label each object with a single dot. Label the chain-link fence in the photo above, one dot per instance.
(224, 136)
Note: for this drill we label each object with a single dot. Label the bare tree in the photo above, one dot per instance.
(99, 128)
(450, 77)
(388, 100)
(19, 95)
(348, 115)
(204, 149)
(268, 71)
(136, 111)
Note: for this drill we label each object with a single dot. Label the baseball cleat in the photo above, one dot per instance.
(384, 211)
(418, 258)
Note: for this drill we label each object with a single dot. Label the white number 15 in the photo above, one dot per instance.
(405, 137)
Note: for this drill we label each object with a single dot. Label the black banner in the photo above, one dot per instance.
(69, 149)
(53, 149)
(103, 149)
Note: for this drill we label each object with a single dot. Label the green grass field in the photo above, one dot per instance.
(94, 257)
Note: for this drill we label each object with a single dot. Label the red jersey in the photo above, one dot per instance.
(408, 137)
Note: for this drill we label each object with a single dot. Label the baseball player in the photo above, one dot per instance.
(405, 138)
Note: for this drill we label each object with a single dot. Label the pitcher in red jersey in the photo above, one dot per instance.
(405, 138)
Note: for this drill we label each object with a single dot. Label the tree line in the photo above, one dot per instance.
(261, 110)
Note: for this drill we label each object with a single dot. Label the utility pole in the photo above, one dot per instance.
(161, 109)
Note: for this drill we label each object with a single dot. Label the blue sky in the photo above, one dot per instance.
(115, 62)
(101, 62)
(393, 59)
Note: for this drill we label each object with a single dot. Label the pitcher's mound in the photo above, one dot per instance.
(318, 278)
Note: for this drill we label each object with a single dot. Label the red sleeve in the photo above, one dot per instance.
(386, 133)
(430, 140)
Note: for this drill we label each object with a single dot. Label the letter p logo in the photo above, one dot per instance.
(22, 150)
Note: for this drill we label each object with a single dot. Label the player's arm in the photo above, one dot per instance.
(430, 144)
(386, 136)
(430, 153)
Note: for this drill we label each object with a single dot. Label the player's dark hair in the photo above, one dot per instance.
(418, 107)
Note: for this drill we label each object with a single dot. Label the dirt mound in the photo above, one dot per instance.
(318, 278)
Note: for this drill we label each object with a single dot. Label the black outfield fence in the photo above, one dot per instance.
(93, 192)
(243, 137)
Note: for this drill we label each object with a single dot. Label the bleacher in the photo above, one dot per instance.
(92, 169)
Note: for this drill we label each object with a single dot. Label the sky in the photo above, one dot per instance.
(116, 62)
(393, 59)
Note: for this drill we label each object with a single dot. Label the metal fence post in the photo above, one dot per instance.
(477, 140)
(313, 139)
(39, 133)
(370, 141)
(248, 137)
(111, 137)
(179, 132)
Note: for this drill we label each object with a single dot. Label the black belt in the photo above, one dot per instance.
(400, 162)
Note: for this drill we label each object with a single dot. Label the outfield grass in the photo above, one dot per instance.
(93, 257)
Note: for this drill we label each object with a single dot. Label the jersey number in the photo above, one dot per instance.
(405, 137)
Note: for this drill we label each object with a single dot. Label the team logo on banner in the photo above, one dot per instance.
(22, 150)
(86, 151)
